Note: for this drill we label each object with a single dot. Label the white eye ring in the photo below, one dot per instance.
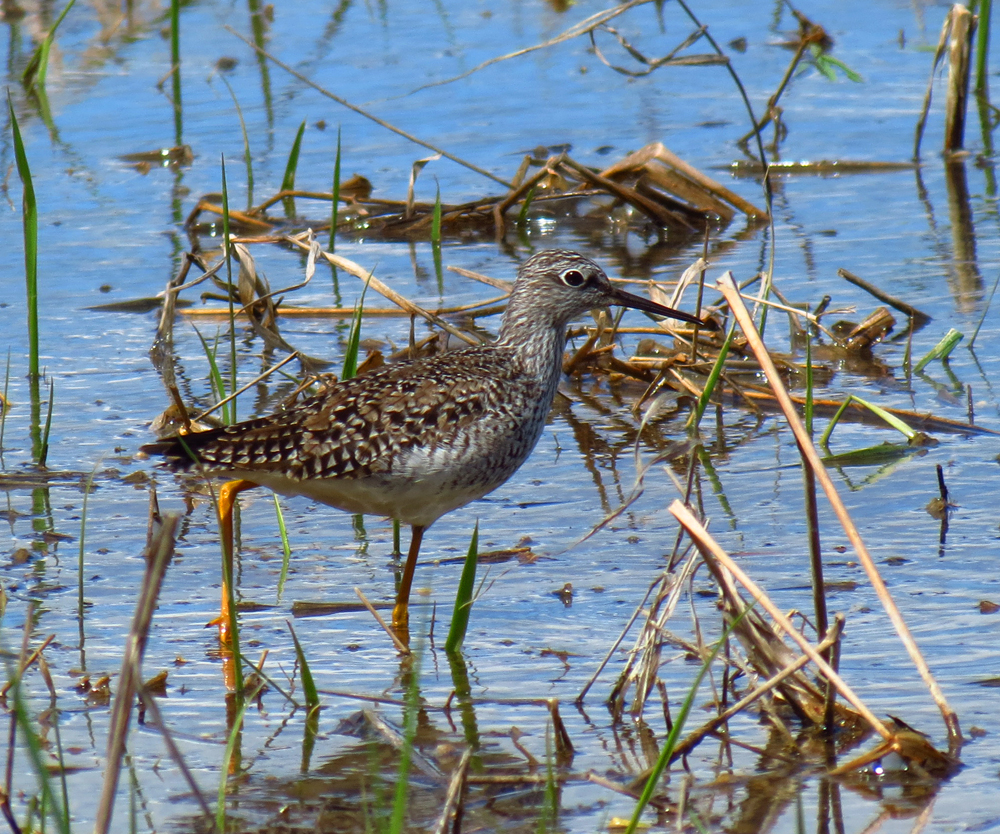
(573, 278)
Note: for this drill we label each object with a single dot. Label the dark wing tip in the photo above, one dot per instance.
(177, 452)
(161, 448)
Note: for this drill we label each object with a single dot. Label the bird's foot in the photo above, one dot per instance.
(223, 623)
(401, 622)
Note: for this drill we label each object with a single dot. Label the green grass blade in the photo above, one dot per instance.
(983, 46)
(260, 32)
(29, 217)
(550, 803)
(942, 350)
(825, 437)
(310, 730)
(38, 67)
(227, 253)
(872, 455)
(899, 425)
(668, 746)
(397, 823)
(713, 379)
(61, 757)
(175, 69)
(227, 757)
(354, 337)
(48, 424)
(827, 65)
(891, 419)
(247, 156)
(718, 489)
(285, 547)
(288, 181)
(336, 196)
(463, 597)
(522, 215)
(463, 695)
(305, 673)
(215, 380)
(436, 219)
(35, 754)
(436, 241)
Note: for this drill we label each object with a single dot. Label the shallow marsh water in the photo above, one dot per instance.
(111, 233)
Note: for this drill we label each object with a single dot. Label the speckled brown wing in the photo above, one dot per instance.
(369, 425)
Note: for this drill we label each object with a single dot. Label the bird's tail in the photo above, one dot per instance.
(181, 451)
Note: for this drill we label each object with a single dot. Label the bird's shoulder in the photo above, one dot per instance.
(452, 384)
(360, 425)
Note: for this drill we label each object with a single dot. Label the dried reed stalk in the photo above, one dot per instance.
(644, 658)
(386, 292)
(130, 680)
(810, 457)
(957, 28)
(451, 813)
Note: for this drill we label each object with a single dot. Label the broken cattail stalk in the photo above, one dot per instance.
(956, 37)
(963, 25)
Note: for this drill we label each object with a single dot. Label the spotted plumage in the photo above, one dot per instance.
(414, 440)
(411, 440)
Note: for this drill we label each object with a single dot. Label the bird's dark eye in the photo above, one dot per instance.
(574, 278)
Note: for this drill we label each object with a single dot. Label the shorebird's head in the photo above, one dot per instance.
(558, 285)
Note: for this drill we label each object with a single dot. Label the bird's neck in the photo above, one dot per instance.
(537, 341)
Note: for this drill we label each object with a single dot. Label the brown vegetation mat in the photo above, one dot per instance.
(649, 188)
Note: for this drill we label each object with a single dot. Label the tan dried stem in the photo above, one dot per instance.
(23, 667)
(451, 812)
(963, 25)
(942, 45)
(770, 109)
(365, 275)
(401, 647)
(810, 457)
(130, 680)
(643, 663)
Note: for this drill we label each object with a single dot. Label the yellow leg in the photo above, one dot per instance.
(227, 500)
(401, 611)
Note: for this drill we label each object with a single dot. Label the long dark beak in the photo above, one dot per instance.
(637, 302)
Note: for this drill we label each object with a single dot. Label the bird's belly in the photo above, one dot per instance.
(423, 483)
(417, 501)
